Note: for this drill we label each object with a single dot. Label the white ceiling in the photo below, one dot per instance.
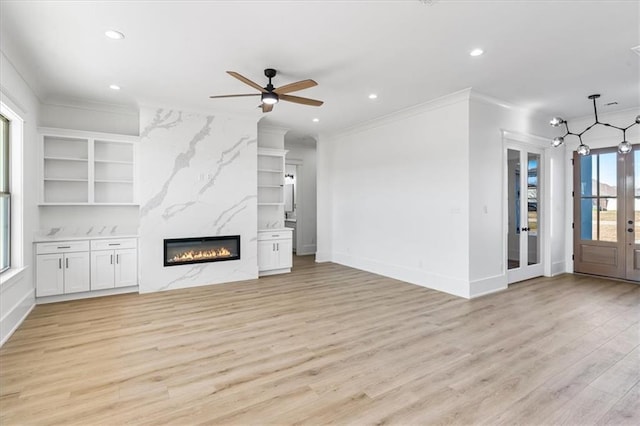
(543, 55)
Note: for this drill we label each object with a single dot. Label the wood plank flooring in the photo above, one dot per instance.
(330, 344)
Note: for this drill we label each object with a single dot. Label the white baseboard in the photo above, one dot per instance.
(16, 316)
(86, 295)
(558, 268)
(450, 285)
(322, 257)
(489, 285)
(306, 250)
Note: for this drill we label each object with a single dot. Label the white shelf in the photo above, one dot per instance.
(83, 168)
(113, 161)
(271, 171)
(271, 204)
(269, 186)
(67, 159)
(112, 181)
(88, 204)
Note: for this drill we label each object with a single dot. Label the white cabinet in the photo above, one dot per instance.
(83, 168)
(62, 268)
(114, 263)
(66, 267)
(274, 252)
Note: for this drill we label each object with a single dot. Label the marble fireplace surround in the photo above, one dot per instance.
(197, 177)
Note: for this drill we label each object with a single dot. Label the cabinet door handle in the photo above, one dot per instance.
(60, 263)
(117, 258)
(67, 262)
(278, 246)
(111, 259)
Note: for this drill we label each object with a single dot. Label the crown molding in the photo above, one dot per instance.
(88, 105)
(437, 103)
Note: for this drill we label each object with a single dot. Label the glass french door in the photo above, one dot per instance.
(606, 213)
(524, 200)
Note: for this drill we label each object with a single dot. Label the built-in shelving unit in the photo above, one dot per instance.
(270, 188)
(83, 168)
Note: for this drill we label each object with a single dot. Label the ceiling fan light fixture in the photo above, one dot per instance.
(270, 98)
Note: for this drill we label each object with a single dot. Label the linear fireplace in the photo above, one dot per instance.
(182, 251)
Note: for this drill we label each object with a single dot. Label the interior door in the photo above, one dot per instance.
(606, 197)
(524, 201)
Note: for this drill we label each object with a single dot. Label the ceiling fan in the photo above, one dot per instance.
(270, 95)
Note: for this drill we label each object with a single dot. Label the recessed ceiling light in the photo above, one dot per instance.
(373, 96)
(476, 52)
(315, 120)
(114, 87)
(113, 34)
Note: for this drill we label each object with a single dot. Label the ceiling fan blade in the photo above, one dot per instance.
(299, 100)
(234, 96)
(267, 107)
(294, 87)
(245, 80)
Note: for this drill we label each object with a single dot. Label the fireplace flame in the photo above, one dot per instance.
(200, 254)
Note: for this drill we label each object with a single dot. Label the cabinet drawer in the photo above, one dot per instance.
(274, 235)
(62, 247)
(115, 243)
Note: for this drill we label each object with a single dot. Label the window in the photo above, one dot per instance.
(5, 197)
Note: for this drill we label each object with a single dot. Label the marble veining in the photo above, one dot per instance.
(162, 122)
(182, 161)
(198, 177)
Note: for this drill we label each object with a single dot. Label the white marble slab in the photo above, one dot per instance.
(197, 178)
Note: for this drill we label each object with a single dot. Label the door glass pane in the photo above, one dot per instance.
(533, 211)
(513, 200)
(588, 175)
(607, 196)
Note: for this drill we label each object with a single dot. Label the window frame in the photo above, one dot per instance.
(5, 184)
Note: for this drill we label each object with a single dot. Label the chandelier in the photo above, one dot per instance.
(624, 147)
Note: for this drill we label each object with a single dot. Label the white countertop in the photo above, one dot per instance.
(56, 238)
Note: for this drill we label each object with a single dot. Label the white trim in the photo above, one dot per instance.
(489, 285)
(86, 105)
(441, 102)
(29, 295)
(54, 131)
(16, 182)
(86, 295)
(526, 143)
(450, 285)
(10, 277)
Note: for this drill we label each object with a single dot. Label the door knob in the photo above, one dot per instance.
(630, 230)
(630, 222)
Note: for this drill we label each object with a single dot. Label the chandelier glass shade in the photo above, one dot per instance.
(624, 147)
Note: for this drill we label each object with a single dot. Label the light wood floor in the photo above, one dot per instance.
(330, 344)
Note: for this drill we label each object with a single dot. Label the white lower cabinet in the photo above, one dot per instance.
(275, 252)
(67, 267)
(114, 263)
(60, 269)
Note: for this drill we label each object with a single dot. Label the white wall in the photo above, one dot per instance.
(303, 153)
(17, 294)
(487, 211)
(393, 196)
(197, 178)
(597, 137)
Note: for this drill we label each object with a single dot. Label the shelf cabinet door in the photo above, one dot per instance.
(76, 272)
(49, 275)
(102, 270)
(126, 267)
